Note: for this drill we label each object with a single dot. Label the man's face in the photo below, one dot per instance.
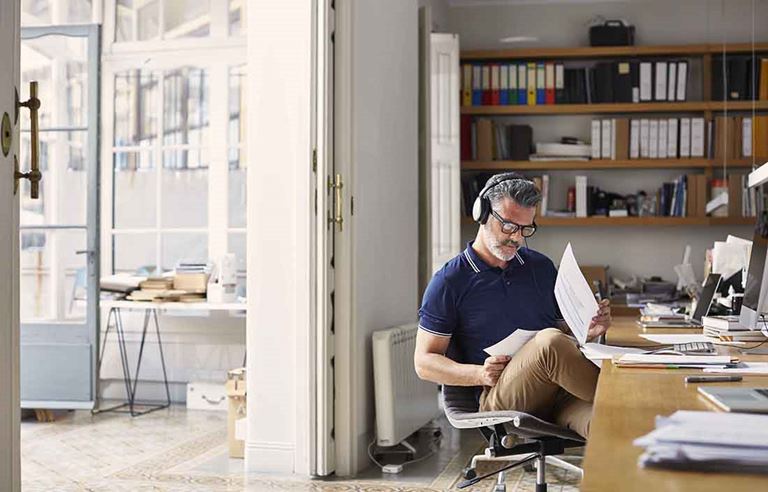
(504, 246)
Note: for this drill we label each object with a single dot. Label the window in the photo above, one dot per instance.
(174, 114)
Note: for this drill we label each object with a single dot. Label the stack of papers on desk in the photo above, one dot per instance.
(675, 361)
(707, 441)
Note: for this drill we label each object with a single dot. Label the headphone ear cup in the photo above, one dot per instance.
(481, 210)
(477, 209)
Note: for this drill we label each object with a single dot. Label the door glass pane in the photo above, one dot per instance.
(137, 20)
(41, 13)
(185, 111)
(183, 246)
(186, 18)
(135, 190)
(237, 246)
(136, 108)
(237, 17)
(236, 152)
(184, 198)
(64, 187)
(135, 253)
(59, 65)
(53, 279)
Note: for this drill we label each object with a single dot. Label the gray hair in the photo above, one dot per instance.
(522, 191)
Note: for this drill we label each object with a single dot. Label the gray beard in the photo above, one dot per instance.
(495, 248)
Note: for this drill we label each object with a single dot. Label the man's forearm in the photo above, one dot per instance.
(442, 370)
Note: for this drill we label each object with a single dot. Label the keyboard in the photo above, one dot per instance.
(689, 348)
(695, 347)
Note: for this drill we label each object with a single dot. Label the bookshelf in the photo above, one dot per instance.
(636, 221)
(611, 51)
(609, 108)
(707, 108)
(501, 166)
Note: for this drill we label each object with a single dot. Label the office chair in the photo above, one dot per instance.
(542, 440)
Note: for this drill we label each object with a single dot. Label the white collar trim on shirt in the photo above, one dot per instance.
(471, 263)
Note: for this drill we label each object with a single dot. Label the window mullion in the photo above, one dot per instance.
(159, 170)
(218, 172)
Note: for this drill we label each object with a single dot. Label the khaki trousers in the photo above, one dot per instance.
(549, 378)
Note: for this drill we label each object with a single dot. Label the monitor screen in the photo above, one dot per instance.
(755, 273)
(707, 294)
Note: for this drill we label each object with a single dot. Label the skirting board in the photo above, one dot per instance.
(269, 457)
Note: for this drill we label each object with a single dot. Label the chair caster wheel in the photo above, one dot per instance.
(529, 467)
(469, 473)
(500, 488)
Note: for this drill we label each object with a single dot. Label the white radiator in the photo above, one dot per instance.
(404, 403)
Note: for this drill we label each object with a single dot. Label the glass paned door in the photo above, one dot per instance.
(59, 236)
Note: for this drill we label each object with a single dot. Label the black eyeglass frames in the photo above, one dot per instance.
(508, 227)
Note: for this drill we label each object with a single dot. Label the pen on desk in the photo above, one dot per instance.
(712, 379)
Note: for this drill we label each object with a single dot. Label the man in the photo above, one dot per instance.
(493, 288)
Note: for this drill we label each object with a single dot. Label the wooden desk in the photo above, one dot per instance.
(626, 404)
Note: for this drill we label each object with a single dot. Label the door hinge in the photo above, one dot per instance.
(352, 205)
(314, 160)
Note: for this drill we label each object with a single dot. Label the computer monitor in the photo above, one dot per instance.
(706, 297)
(756, 290)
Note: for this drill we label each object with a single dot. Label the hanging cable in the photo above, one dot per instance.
(724, 143)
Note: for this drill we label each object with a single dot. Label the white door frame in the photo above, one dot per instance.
(10, 410)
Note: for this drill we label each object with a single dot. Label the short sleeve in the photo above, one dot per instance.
(438, 313)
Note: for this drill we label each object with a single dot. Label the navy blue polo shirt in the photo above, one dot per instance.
(478, 305)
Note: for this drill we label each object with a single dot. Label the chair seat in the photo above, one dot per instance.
(461, 408)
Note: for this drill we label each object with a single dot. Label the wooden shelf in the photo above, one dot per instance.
(637, 221)
(601, 164)
(586, 52)
(655, 107)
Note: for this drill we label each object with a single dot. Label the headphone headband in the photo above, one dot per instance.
(481, 209)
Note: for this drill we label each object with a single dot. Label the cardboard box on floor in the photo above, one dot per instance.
(236, 394)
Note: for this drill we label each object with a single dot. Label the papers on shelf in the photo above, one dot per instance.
(669, 339)
(688, 440)
(742, 368)
(574, 297)
(511, 344)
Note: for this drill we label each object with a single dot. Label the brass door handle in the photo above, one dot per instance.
(33, 175)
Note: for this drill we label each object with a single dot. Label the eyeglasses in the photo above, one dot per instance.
(511, 228)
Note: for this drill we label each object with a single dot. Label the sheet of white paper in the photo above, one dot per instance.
(668, 339)
(597, 351)
(511, 344)
(574, 297)
(744, 368)
(728, 258)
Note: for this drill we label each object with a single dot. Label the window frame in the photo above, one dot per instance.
(216, 54)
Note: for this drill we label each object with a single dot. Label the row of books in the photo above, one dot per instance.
(724, 137)
(732, 137)
(537, 83)
(687, 196)
(738, 78)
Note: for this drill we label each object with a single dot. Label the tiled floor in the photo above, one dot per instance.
(180, 450)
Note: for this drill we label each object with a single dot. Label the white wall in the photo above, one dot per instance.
(278, 251)
(644, 251)
(196, 347)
